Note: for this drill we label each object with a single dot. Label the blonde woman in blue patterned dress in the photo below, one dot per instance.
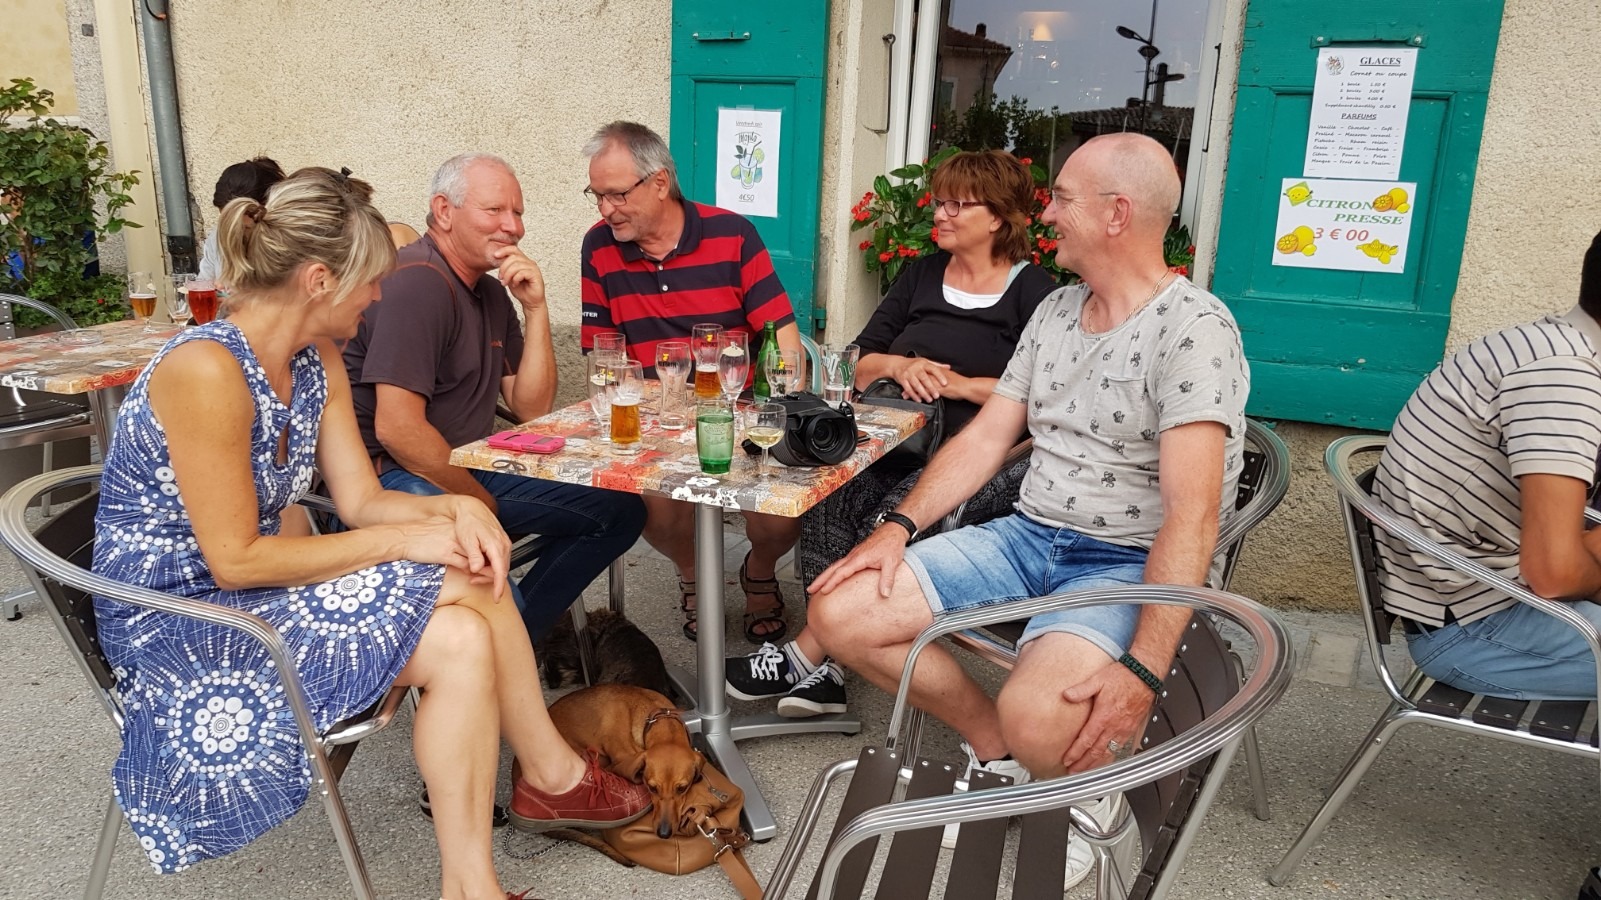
(221, 433)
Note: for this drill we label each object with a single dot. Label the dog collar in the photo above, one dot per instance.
(655, 717)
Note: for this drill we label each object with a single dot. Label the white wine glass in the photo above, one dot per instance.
(765, 428)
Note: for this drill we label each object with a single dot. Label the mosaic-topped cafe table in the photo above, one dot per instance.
(99, 361)
(668, 465)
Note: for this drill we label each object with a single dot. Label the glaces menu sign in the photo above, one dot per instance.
(1360, 101)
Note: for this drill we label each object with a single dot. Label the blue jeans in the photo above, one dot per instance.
(1014, 558)
(1520, 653)
(590, 527)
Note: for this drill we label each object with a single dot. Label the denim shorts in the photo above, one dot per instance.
(1014, 558)
(1520, 653)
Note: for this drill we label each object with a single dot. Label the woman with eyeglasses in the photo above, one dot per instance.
(944, 333)
(221, 433)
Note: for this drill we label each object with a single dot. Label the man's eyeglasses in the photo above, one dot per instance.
(503, 464)
(1061, 199)
(615, 198)
(953, 208)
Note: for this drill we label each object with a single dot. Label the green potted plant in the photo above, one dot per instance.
(58, 195)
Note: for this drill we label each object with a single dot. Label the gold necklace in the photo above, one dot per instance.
(1154, 291)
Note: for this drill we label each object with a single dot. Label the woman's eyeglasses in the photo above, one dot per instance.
(953, 208)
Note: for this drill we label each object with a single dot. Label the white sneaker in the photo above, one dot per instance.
(1011, 768)
(1081, 854)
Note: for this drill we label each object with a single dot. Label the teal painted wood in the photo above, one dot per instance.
(758, 56)
(1349, 348)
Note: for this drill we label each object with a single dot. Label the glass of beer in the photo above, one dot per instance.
(599, 369)
(178, 309)
(142, 295)
(202, 300)
(705, 344)
(672, 369)
(612, 341)
(714, 436)
(733, 364)
(764, 426)
(625, 390)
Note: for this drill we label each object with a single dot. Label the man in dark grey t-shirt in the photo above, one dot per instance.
(438, 350)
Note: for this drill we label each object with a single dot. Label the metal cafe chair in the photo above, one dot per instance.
(56, 559)
(1418, 699)
(1169, 785)
(1264, 480)
(35, 418)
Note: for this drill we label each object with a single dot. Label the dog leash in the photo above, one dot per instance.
(728, 848)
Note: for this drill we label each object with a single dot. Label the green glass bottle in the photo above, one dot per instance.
(769, 350)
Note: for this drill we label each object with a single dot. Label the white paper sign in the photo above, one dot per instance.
(747, 160)
(1360, 102)
(1357, 226)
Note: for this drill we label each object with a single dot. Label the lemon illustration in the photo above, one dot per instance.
(1383, 203)
(1299, 240)
(1398, 200)
(1298, 193)
(1378, 250)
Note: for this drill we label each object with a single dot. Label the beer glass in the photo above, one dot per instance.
(705, 344)
(599, 366)
(178, 308)
(733, 364)
(202, 300)
(612, 341)
(142, 295)
(625, 389)
(672, 368)
(839, 372)
(765, 428)
(714, 436)
(783, 372)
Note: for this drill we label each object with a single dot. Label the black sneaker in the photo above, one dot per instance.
(765, 673)
(819, 693)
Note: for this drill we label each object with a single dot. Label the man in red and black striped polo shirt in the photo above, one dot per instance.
(655, 266)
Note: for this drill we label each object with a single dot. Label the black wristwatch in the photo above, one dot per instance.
(900, 519)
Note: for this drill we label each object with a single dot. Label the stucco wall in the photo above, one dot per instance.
(391, 89)
(1535, 210)
(33, 45)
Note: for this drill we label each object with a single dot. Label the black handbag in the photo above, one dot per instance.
(915, 451)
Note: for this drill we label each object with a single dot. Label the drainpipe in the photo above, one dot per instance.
(179, 226)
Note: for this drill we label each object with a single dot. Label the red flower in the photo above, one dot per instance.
(1029, 162)
(1180, 270)
(885, 257)
(924, 200)
(933, 235)
(1036, 259)
(864, 245)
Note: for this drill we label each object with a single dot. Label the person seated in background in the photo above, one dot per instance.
(428, 364)
(944, 332)
(1133, 385)
(655, 266)
(1494, 457)
(251, 178)
(412, 595)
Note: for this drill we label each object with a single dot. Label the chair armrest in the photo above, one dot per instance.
(1337, 460)
(1267, 634)
(317, 503)
(1019, 451)
(19, 539)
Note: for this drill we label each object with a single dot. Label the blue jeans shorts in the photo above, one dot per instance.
(1014, 558)
(1520, 653)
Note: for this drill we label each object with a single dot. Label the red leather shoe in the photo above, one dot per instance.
(599, 800)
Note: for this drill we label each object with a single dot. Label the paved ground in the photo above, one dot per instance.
(1441, 815)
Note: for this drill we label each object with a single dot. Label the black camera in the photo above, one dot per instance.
(815, 434)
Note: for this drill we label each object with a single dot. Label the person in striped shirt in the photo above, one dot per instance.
(656, 265)
(1494, 457)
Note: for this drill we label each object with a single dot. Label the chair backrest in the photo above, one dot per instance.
(1202, 680)
(1263, 482)
(70, 535)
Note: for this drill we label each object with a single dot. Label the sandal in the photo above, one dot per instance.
(686, 593)
(753, 618)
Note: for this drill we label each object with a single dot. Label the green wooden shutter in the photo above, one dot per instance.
(756, 56)
(1348, 348)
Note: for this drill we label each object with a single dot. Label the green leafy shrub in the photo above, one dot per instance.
(52, 175)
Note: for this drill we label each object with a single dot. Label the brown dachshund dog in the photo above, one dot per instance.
(639, 736)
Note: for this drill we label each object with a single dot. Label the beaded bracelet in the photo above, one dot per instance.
(1142, 673)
